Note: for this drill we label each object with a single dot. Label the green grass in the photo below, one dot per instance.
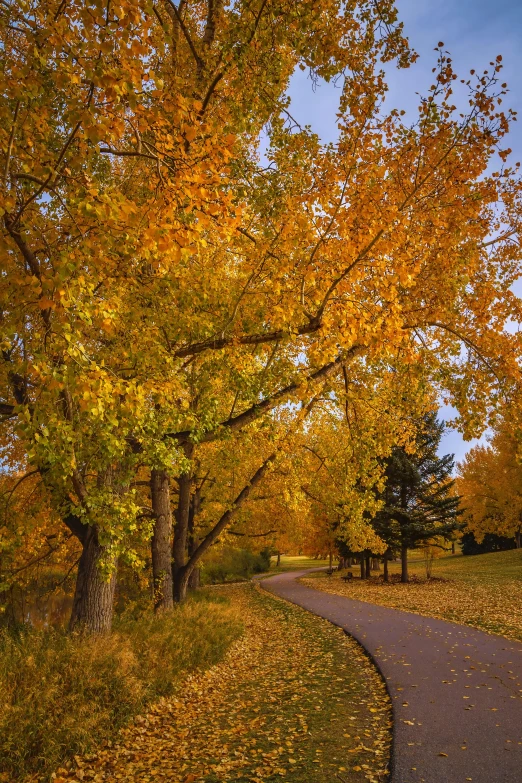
(496, 567)
(295, 563)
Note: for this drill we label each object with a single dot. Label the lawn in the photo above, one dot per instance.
(484, 591)
(295, 563)
(294, 699)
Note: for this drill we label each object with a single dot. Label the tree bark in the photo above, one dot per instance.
(386, 575)
(96, 578)
(185, 572)
(181, 529)
(517, 539)
(194, 579)
(161, 541)
(278, 559)
(94, 594)
(376, 564)
(193, 541)
(363, 569)
(404, 564)
(368, 567)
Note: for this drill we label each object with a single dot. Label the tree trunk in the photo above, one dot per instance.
(94, 594)
(330, 560)
(376, 565)
(193, 541)
(368, 567)
(194, 579)
(181, 583)
(363, 570)
(517, 539)
(183, 574)
(278, 559)
(386, 576)
(452, 547)
(181, 530)
(161, 541)
(404, 563)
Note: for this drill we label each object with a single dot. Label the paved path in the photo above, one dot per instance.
(456, 691)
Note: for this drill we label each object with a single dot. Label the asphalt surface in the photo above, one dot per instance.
(456, 691)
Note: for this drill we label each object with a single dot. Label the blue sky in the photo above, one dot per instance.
(474, 32)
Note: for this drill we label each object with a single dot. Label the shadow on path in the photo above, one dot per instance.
(456, 691)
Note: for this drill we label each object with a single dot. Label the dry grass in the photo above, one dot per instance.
(61, 695)
(484, 591)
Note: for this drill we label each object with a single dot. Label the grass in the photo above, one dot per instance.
(294, 700)
(484, 591)
(62, 695)
(295, 563)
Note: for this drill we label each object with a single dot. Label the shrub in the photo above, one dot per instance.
(62, 695)
(490, 543)
(234, 565)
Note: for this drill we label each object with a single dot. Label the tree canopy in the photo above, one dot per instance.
(193, 285)
(490, 482)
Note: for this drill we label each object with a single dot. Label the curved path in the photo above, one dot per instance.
(456, 691)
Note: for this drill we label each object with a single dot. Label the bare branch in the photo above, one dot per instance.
(10, 144)
(249, 339)
(499, 239)
(199, 60)
(210, 26)
(6, 409)
(127, 153)
(213, 84)
(251, 535)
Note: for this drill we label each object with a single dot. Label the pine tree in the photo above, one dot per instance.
(418, 502)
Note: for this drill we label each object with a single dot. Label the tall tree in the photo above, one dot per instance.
(490, 484)
(146, 245)
(418, 502)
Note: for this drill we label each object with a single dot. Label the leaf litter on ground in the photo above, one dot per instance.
(294, 699)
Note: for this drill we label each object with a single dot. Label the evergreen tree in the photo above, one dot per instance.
(418, 501)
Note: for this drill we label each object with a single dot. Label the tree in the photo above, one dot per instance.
(490, 543)
(147, 249)
(418, 503)
(123, 172)
(490, 484)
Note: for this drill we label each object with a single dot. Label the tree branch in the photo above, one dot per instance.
(252, 413)
(6, 409)
(249, 339)
(10, 144)
(211, 537)
(251, 535)
(199, 60)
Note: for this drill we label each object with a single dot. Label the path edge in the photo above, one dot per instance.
(259, 583)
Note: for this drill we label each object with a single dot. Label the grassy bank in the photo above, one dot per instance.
(484, 591)
(294, 699)
(62, 695)
(295, 563)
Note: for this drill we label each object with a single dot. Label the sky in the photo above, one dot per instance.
(474, 32)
